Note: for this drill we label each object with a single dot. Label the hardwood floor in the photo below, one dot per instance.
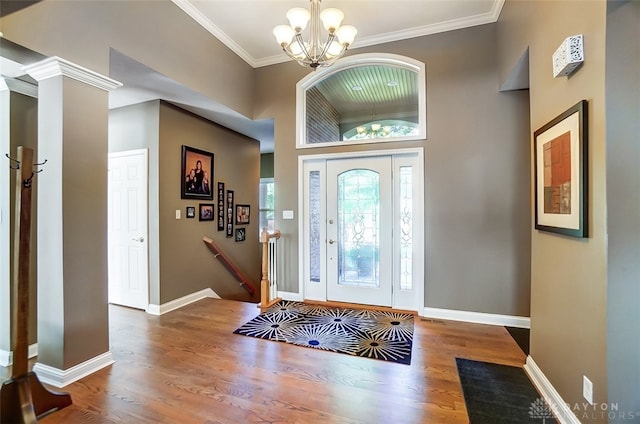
(187, 366)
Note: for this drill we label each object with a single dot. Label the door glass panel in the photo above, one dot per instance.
(314, 226)
(406, 228)
(358, 228)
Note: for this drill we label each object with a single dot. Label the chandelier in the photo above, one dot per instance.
(374, 131)
(316, 50)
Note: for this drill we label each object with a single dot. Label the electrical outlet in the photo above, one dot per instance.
(587, 389)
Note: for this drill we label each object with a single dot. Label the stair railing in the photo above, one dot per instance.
(231, 267)
(269, 281)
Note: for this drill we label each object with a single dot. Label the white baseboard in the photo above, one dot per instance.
(154, 309)
(294, 297)
(549, 393)
(477, 317)
(6, 356)
(61, 378)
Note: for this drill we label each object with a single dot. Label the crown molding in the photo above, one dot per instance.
(188, 8)
(485, 18)
(454, 24)
(56, 66)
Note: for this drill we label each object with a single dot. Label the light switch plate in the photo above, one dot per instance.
(178, 214)
(287, 214)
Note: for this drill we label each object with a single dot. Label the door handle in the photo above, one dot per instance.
(139, 239)
(331, 241)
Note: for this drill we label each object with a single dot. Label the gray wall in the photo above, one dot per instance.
(179, 262)
(476, 163)
(568, 277)
(186, 264)
(623, 205)
(138, 127)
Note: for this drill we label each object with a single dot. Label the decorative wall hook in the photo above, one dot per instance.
(14, 161)
(39, 164)
(29, 181)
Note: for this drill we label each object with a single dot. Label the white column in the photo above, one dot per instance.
(73, 327)
(5, 277)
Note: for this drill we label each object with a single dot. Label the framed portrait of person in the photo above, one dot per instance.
(196, 174)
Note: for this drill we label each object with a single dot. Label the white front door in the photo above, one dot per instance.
(359, 227)
(128, 246)
(362, 228)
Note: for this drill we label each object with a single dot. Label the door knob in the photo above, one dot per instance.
(139, 239)
(331, 241)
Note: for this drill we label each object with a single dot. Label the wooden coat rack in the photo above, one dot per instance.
(23, 398)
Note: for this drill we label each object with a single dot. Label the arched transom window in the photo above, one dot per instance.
(368, 98)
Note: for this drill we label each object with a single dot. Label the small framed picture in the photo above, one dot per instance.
(221, 206)
(206, 211)
(243, 213)
(191, 211)
(229, 216)
(240, 234)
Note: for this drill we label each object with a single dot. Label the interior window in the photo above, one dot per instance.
(367, 98)
(267, 207)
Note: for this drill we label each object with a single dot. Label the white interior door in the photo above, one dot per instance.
(359, 230)
(128, 246)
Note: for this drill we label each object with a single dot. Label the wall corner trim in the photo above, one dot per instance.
(172, 305)
(555, 402)
(477, 317)
(6, 356)
(60, 378)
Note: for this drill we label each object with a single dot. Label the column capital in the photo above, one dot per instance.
(56, 66)
(19, 86)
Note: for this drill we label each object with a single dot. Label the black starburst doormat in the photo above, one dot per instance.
(384, 335)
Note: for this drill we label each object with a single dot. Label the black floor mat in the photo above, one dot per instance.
(500, 394)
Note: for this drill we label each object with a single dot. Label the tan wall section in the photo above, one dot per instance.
(186, 264)
(476, 164)
(84, 181)
(157, 33)
(568, 277)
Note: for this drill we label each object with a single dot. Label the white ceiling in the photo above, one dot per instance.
(245, 25)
